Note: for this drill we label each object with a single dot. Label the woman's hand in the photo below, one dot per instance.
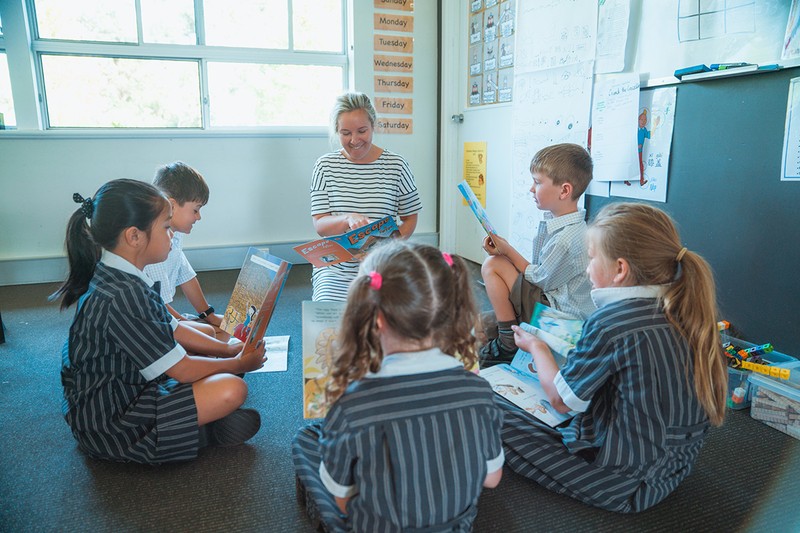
(355, 220)
(253, 357)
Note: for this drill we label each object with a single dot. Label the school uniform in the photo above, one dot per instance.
(174, 271)
(117, 400)
(639, 425)
(411, 445)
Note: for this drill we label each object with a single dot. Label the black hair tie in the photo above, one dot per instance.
(87, 205)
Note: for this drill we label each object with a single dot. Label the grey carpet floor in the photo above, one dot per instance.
(747, 477)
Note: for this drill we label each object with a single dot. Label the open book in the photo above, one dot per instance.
(350, 246)
(557, 329)
(477, 208)
(518, 384)
(321, 322)
(253, 300)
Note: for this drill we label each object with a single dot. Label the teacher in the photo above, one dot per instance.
(355, 185)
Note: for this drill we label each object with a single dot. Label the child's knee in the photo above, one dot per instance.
(234, 392)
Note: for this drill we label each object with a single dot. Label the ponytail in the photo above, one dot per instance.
(423, 296)
(690, 305)
(98, 223)
(648, 239)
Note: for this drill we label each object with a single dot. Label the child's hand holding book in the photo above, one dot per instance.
(253, 356)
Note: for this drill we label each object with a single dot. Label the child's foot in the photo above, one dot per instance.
(642, 182)
(494, 352)
(626, 182)
(236, 428)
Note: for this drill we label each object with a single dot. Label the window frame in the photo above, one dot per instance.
(201, 54)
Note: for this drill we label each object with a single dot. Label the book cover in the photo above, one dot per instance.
(321, 322)
(351, 246)
(518, 384)
(253, 300)
(559, 330)
(477, 208)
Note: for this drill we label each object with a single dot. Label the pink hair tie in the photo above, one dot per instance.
(376, 280)
(447, 258)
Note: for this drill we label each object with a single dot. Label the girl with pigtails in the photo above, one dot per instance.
(646, 379)
(131, 393)
(412, 435)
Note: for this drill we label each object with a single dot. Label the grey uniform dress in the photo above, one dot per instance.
(117, 400)
(639, 426)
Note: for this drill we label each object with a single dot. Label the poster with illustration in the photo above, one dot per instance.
(654, 127)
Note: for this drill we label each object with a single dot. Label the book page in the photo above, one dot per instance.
(524, 391)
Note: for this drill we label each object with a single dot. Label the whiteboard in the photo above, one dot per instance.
(672, 34)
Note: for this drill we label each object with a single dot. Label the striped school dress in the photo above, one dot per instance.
(639, 427)
(117, 400)
(375, 190)
(411, 445)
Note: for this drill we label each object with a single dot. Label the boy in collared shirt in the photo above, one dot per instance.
(556, 275)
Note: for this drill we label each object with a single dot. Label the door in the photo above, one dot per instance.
(460, 231)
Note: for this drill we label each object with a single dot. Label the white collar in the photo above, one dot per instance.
(410, 363)
(608, 295)
(110, 259)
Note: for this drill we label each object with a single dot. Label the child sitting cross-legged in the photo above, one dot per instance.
(412, 436)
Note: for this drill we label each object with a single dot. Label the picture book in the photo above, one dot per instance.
(351, 246)
(321, 322)
(477, 208)
(253, 300)
(557, 329)
(518, 384)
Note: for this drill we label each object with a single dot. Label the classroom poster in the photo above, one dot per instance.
(790, 162)
(612, 35)
(475, 169)
(791, 41)
(491, 52)
(551, 106)
(615, 105)
(654, 143)
(393, 61)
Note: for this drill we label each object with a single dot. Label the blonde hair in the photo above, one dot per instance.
(648, 239)
(345, 103)
(421, 296)
(565, 163)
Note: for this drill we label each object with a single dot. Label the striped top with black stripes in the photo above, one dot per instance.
(378, 189)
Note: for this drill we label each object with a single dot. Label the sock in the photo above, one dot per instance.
(505, 335)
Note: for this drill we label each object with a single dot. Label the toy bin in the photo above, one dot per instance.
(776, 402)
(739, 387)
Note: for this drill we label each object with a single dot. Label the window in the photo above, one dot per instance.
(187, 63)
(7, 117)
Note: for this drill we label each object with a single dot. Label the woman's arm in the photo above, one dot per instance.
(327, 224)
(409, 224)
(546, 367)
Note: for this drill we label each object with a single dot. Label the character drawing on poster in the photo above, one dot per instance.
(241, 331)
(475, 89)
(642, 133)
(490, 21)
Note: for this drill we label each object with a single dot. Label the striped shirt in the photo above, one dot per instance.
(415, 447)
(173, 272)
(559, 262)
(378, 189)
(117, 400)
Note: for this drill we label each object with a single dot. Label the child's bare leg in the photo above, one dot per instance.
(499, 276)
(218, 396)
(222, 422)
(208, 329)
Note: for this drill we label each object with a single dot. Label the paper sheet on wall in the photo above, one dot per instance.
(554, 33)
(612, 35)
(791, 41)
(475, 169)
(790, 163)
(552, 107)
(655, 123)
(615, 107)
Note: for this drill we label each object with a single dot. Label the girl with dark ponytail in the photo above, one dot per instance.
(130, 392)
(407, 412)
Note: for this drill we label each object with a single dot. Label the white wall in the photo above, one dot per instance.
(259, 184)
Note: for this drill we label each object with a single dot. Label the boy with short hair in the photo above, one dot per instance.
(556, 275)
(187, 192)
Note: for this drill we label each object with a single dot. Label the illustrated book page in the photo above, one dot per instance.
(321, 321)
(351, 246)
(255, 295)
